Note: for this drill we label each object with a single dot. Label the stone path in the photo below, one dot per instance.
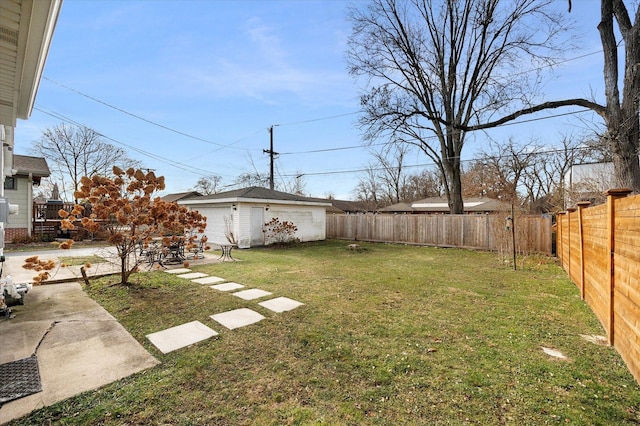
(192, 332)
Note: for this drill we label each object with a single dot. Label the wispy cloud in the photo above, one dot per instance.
(262, 63)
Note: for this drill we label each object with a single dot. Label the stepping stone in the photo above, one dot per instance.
(280, 304)
(180, 336)
(227, 286)
(209, 280)
(254, 293)
(193, 275)
(237, 318)
(177, 271)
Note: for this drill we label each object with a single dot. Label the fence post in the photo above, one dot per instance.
(569, 211)
(581, 205)
(612, 196)
(559, 232)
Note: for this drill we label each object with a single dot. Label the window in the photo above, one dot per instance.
(9, 183)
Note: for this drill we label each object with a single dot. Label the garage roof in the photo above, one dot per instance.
(254, 194)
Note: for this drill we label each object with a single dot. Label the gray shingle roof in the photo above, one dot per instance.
(255, 192)
(179, 196)
(37, 166)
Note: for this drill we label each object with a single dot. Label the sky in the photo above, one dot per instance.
(191, 89)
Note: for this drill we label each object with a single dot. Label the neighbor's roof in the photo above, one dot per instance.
(348, 206)
(37, 166)
(437, 204)
(400, 207)
(253, 193)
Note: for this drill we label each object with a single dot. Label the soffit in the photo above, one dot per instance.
(26, 29)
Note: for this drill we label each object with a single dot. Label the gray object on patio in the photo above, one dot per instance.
(19, 378)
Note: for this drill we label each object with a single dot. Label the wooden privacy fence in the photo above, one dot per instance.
(484, 232)
(599, 247)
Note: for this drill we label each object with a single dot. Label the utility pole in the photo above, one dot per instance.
(272, 154)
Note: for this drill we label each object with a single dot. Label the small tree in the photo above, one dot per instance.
(279, 232)
(123, 207)
(76, 151)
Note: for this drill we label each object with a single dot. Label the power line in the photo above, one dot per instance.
(431, 164)
(162, 126)
(331, 117)
(513, 123)
(171, 162)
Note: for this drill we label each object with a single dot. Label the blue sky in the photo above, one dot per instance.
(197, 84)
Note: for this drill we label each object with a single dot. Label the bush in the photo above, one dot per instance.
(22, 239)
(279, 233)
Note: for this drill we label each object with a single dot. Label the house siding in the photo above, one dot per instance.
(20, 197)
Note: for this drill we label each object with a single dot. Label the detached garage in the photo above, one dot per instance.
(243, 212)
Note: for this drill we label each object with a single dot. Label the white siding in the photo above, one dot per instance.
(310, 220)
(244, 224)
(215, 230)
(19, 196)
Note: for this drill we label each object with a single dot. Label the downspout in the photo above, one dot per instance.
(30, 206)
(3, 136)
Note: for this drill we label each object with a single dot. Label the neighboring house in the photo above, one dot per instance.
(26, 31)
(588, 182)
(240, 215)
(346, 207)
(18, 189)
(436, 205)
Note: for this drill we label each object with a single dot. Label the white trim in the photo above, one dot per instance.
(43, 18)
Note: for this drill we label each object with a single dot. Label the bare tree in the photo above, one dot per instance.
(621, 115)
(432, 70)
(368, 189)
(291, 184)
(508, 163)
(480, 180)
(208, 185)
(530, 173)
(427, 183)
(391, 173)
(73, 152)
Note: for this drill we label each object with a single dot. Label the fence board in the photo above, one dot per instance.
(611, 258)
(484, 232)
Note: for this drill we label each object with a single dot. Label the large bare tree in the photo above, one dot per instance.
(621, 111)
(76, 151)
(435, 69)
(621, 114)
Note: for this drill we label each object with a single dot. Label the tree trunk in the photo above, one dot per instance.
(625, 158)
(453, 185)
(622, 117)
(456, 206)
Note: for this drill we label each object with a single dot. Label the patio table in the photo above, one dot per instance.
(226, 252)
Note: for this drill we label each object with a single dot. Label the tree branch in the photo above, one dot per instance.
(597, 108)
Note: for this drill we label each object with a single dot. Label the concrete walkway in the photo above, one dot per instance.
(187, 334)
(79, 345)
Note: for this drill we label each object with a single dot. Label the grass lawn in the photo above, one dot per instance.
(388, 335)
